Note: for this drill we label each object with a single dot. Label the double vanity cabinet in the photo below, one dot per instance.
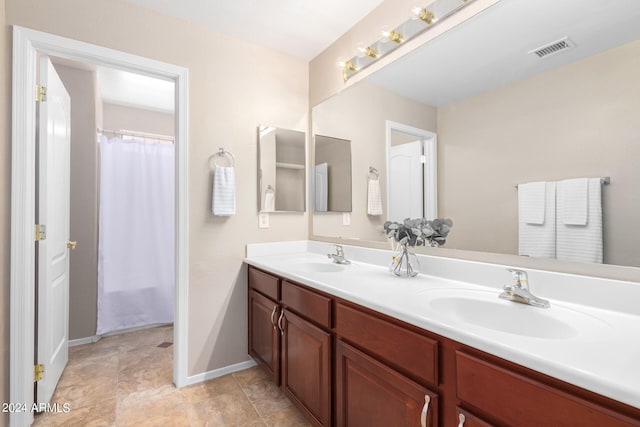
(346, 365)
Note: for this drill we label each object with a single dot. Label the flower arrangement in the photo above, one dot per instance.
(419, 231)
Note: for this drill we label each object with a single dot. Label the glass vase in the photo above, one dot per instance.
(405, 263)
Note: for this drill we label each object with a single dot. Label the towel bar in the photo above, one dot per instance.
(222, 153)
(604, 181)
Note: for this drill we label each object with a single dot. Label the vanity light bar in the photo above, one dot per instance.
(422, 18)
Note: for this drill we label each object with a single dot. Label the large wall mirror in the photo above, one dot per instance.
(281, 170)
(505, 115)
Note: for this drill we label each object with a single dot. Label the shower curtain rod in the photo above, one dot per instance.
(137, 134)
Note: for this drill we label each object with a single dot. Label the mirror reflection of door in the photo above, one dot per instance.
(411, 173)
(321, 194)
(406, 181)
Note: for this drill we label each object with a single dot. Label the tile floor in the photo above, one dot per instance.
(126, 380)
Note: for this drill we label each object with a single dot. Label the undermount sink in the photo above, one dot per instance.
(486, 310)
(318, 267)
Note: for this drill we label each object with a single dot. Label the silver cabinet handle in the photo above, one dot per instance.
(461, 418)
(425, 410)
(280, 322)
(273, 314)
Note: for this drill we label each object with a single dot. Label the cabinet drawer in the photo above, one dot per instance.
(313, 306)
(264, 283)
(514, 399)
(407, 351)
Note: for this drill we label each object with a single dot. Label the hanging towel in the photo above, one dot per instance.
(374, 197)
(574, 194)
(535, 238)
(223, 200)
(269, 201)
(531, 202)
(576, 241)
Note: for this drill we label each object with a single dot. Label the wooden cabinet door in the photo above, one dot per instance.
(467, 419)
(370, 394)
(306, 368)
(264, 336)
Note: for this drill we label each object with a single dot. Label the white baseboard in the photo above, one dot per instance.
(209, 375)
(86, 340)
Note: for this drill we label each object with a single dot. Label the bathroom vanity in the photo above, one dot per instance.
(354, 345)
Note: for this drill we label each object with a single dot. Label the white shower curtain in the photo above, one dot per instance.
(136, 262)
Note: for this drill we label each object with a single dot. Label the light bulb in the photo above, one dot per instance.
(414, 12)
(385, 31)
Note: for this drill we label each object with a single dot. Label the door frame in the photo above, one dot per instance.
(430, 192)
(27, 44)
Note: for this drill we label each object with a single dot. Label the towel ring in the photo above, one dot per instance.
(270, 189)
(222, 153)
(373, 171)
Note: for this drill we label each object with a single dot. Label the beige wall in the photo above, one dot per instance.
(359, 114)
(234, 85)
(576, 121)
(5, 203)
(83, 265)
(119, 117)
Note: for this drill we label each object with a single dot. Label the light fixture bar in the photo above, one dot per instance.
(422, 19)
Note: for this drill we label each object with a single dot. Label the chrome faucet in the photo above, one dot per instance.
(338, 257)
(519, 291)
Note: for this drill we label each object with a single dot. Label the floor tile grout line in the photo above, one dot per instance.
(249, 400)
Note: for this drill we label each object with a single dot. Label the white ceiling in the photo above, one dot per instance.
(491, 50)
(300, 28)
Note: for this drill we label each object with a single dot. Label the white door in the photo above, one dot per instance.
(53, 211)
(405, 181)
(321, 187)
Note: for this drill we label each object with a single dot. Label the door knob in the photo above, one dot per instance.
(72, 244)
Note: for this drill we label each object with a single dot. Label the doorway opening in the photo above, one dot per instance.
(27, 46)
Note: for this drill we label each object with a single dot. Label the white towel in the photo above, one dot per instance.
(539, 240)
(531, 202)
(374, 197)
(574, 195)
(582, 243)
(269, 201)
(223, 200)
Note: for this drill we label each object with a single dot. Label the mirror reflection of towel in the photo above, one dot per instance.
(374, 197)
(269, 201)
(579, 234)
(537, 219)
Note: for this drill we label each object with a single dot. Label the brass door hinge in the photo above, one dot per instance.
(41, 93)
(41, 232)
(38, 372)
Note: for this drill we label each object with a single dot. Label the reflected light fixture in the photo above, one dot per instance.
(421, 19)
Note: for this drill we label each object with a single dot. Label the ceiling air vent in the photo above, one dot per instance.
(552, 48)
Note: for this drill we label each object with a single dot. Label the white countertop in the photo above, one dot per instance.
(600, 352)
